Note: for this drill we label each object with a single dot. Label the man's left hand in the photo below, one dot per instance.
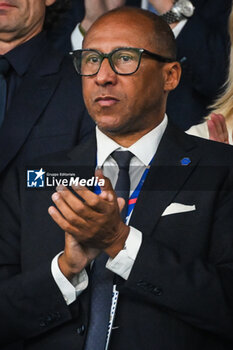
(93, 220)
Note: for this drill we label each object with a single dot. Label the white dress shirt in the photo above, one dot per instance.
(77, 37)
(143, 150)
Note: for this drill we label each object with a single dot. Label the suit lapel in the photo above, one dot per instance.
(35, 91)
(165, 178)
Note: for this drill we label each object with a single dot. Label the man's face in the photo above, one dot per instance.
(124, 104)
(19, 18)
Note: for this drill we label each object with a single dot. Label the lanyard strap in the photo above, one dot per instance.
(134, 196)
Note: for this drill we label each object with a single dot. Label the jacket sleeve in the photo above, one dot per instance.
(30, 301)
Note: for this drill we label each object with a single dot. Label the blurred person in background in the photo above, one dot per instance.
(41, 105)
(219, 124)
(200, 28)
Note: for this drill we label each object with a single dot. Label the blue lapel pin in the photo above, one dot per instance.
(185, 161)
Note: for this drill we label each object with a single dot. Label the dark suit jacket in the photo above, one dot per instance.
(179, 293)
(47, 112)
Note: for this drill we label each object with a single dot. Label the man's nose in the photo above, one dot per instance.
(106, 75)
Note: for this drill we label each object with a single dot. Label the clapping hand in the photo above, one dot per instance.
(217, 128)
(92, 223)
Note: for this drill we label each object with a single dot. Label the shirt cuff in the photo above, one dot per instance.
(70, 290)
(123, 262)
(177, 29)
(76, 38)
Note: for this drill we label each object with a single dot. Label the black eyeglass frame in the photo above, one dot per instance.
(77, 55)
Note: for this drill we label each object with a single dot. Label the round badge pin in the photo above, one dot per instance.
(185, 161)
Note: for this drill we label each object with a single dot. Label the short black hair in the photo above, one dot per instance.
(55, 13)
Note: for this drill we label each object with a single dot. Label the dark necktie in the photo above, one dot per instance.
(102, 278)
(122, 187)
(101, 298)
(4, 67)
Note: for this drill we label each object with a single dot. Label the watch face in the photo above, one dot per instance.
(187, 8)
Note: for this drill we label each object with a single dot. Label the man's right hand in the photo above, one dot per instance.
(95, 8)
(88, 231)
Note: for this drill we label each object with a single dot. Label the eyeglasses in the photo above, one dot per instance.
(123, 60)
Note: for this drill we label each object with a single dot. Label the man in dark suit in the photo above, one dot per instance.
(172, 257)
(44, 108)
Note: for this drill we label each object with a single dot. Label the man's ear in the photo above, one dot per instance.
(49, 2)
(172, 74)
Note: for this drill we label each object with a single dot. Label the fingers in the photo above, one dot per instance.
(220, 123)
(213, 135)
(217, 128)
(72, 209)
(107, 186)
(78, 214)
(73, 213)
(61, 221)
(107, 191)
(81, 205)
(94, 220)
(223, 122)
(98, 202)
(121, 203)
(63, 195)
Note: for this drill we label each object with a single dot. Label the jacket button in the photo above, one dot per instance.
(81, 330)
(42, 323)
(49, 318)
(56, 316)
(141, 284)
(157, 291)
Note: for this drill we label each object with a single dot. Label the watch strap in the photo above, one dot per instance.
(171, 17)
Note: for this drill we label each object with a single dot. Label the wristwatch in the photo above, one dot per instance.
(180, 10)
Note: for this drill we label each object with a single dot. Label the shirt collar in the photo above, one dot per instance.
(144, 149)
(21, 56)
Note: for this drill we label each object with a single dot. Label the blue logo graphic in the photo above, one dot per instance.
(35, 178)
(185, 161)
